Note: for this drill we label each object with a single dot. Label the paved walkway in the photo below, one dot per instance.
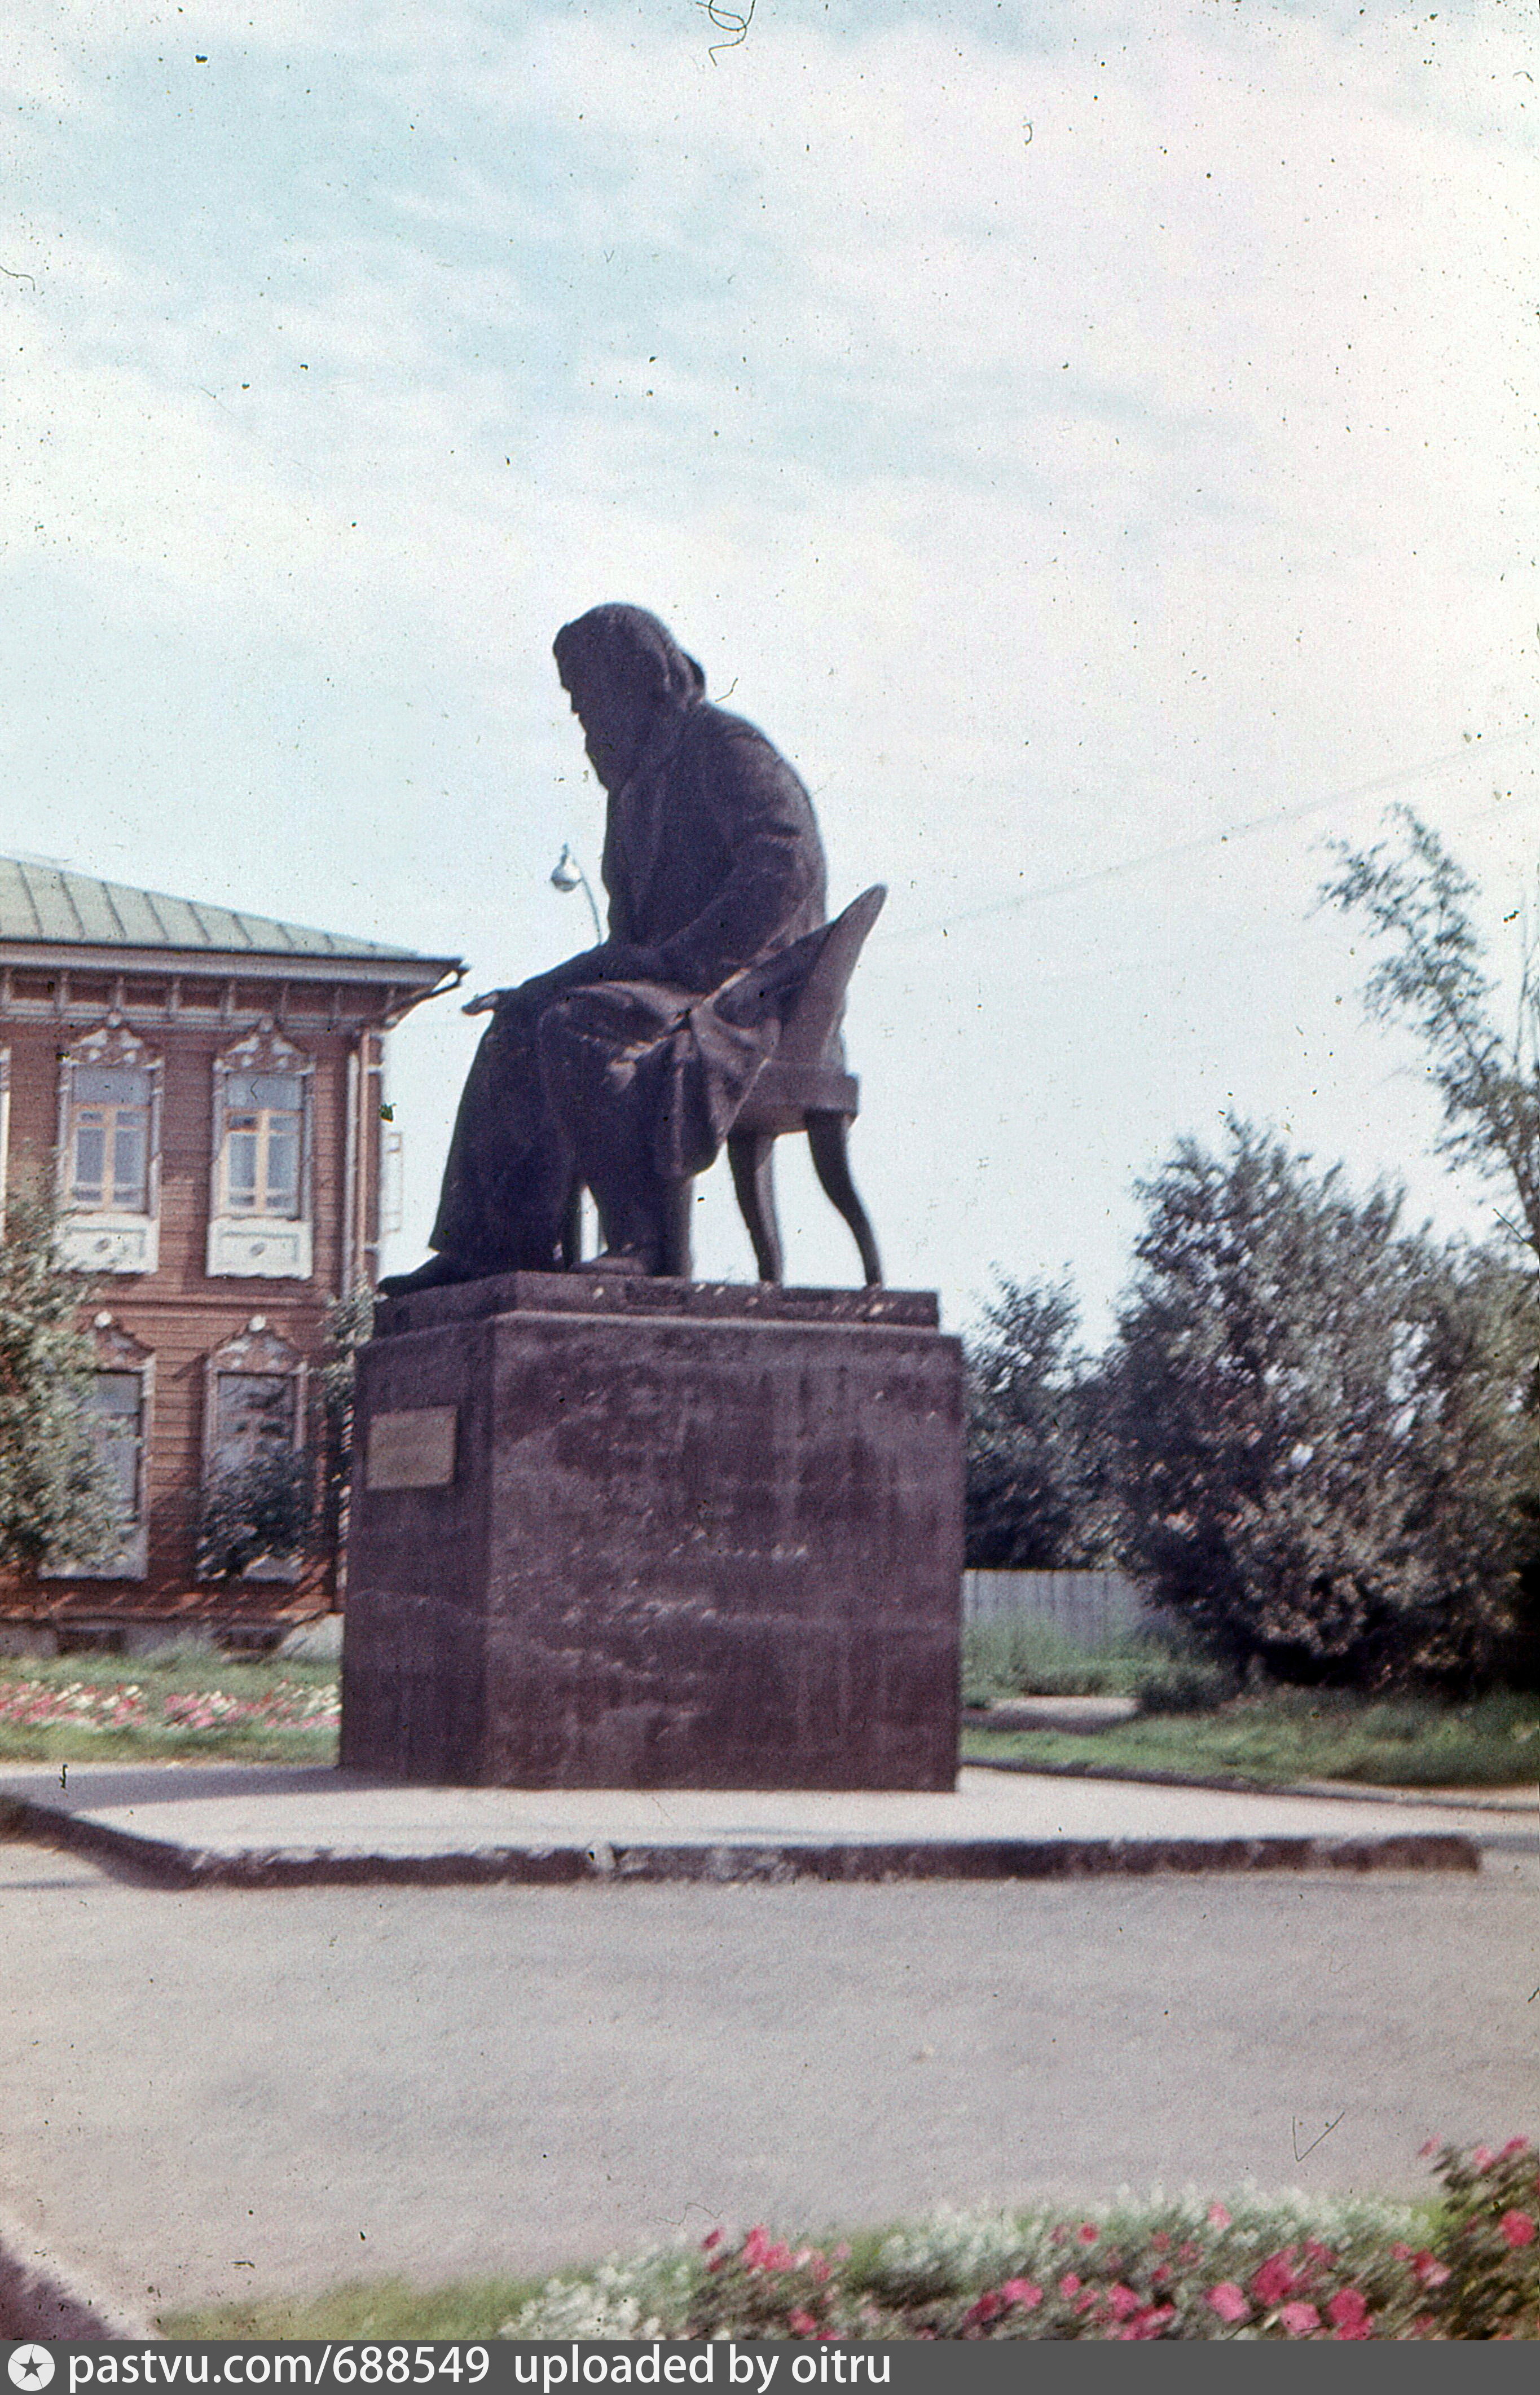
(266, 1824)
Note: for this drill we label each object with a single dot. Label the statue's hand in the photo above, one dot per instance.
(486, 1004)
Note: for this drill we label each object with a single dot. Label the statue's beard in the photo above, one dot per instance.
(613, 755)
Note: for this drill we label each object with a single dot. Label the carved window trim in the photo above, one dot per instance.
(261, 1351)
(117, 1351)
(251, 1246)
(107, 1239)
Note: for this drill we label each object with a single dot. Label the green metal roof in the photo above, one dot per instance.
(50, 907)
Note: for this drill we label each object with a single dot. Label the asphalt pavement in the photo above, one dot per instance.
(218, 2092)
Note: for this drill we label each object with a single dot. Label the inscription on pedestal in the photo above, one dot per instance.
(413, 1449)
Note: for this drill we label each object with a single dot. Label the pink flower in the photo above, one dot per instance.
(990, 2304)
(1430, 2147)
(714, 2239)
(756, 2246)
(818, 2270)
(1161, 2242)
(1229, 2301)
(1121, 2301)
(1088, 2233)
(1514, 2146)
(1300, 2319)
(1274, 2279)
(1022, 2291)
(1483, 2158)
(1069, 2285)
(1149, 2324)
(1218, 2216)
(1349, 2314)
(802, 2323)
(1318, 2252)
(1518, 2229)
(1160, 2274)
(1428, 2272)
(842, 2253)
(1402, 2253)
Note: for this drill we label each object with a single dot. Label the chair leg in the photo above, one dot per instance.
(825, 1137)
(674, 1261)
(572, 1232)
(751, 1155)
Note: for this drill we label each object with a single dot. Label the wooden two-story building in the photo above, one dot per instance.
(202, 1092)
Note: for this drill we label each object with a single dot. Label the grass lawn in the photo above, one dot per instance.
(388, 2308)
(1293, 1734)
(191, 1703)
(185, 1702)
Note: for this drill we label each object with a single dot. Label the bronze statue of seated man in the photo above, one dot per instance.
(623, 1070)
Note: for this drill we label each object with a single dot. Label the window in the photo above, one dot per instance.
(109, 1164)
(117, 1418)
(264, 1124)
(258, 1481)
(260, 1201)
(253, 1416)
(109, 1167)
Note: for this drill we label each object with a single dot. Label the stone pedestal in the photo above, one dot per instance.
(656, 1534)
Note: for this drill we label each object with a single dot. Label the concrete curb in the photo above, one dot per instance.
(768, 1861)
(1229, 1784)
(41, 2296)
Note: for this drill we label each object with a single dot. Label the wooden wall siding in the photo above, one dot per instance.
(179, 1313)
(1094, 1608)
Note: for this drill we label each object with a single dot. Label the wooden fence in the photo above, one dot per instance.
(1094, 1608)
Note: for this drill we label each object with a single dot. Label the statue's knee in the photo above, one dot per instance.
(557, 1033)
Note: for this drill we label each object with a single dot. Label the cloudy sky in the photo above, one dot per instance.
(1094, 438)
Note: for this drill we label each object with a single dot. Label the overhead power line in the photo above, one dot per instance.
(1212, 838)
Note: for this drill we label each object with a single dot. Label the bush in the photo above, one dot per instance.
(1184, 1684)
(1317, 1430)
(260, 1512)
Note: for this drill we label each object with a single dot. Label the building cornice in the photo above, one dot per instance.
(402, 982)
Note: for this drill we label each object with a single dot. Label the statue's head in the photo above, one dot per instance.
(622, 668)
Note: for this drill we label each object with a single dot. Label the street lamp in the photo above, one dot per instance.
(567, 875)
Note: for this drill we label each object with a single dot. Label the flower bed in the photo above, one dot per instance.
(1289, 2268)
(87, 1705)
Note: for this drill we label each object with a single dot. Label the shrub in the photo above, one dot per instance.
(258, 1513)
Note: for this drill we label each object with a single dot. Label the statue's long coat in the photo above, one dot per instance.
(712, 864)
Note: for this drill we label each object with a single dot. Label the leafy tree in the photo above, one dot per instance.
(1033, 1469)
(283, 1502)
(1417, 898)
(257, 1513)
(350, 1321)
(57, 1500)
(1434, 978)
(1315, 1422)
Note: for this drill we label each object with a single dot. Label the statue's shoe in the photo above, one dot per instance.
(620, 1261)
(439, 1272)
